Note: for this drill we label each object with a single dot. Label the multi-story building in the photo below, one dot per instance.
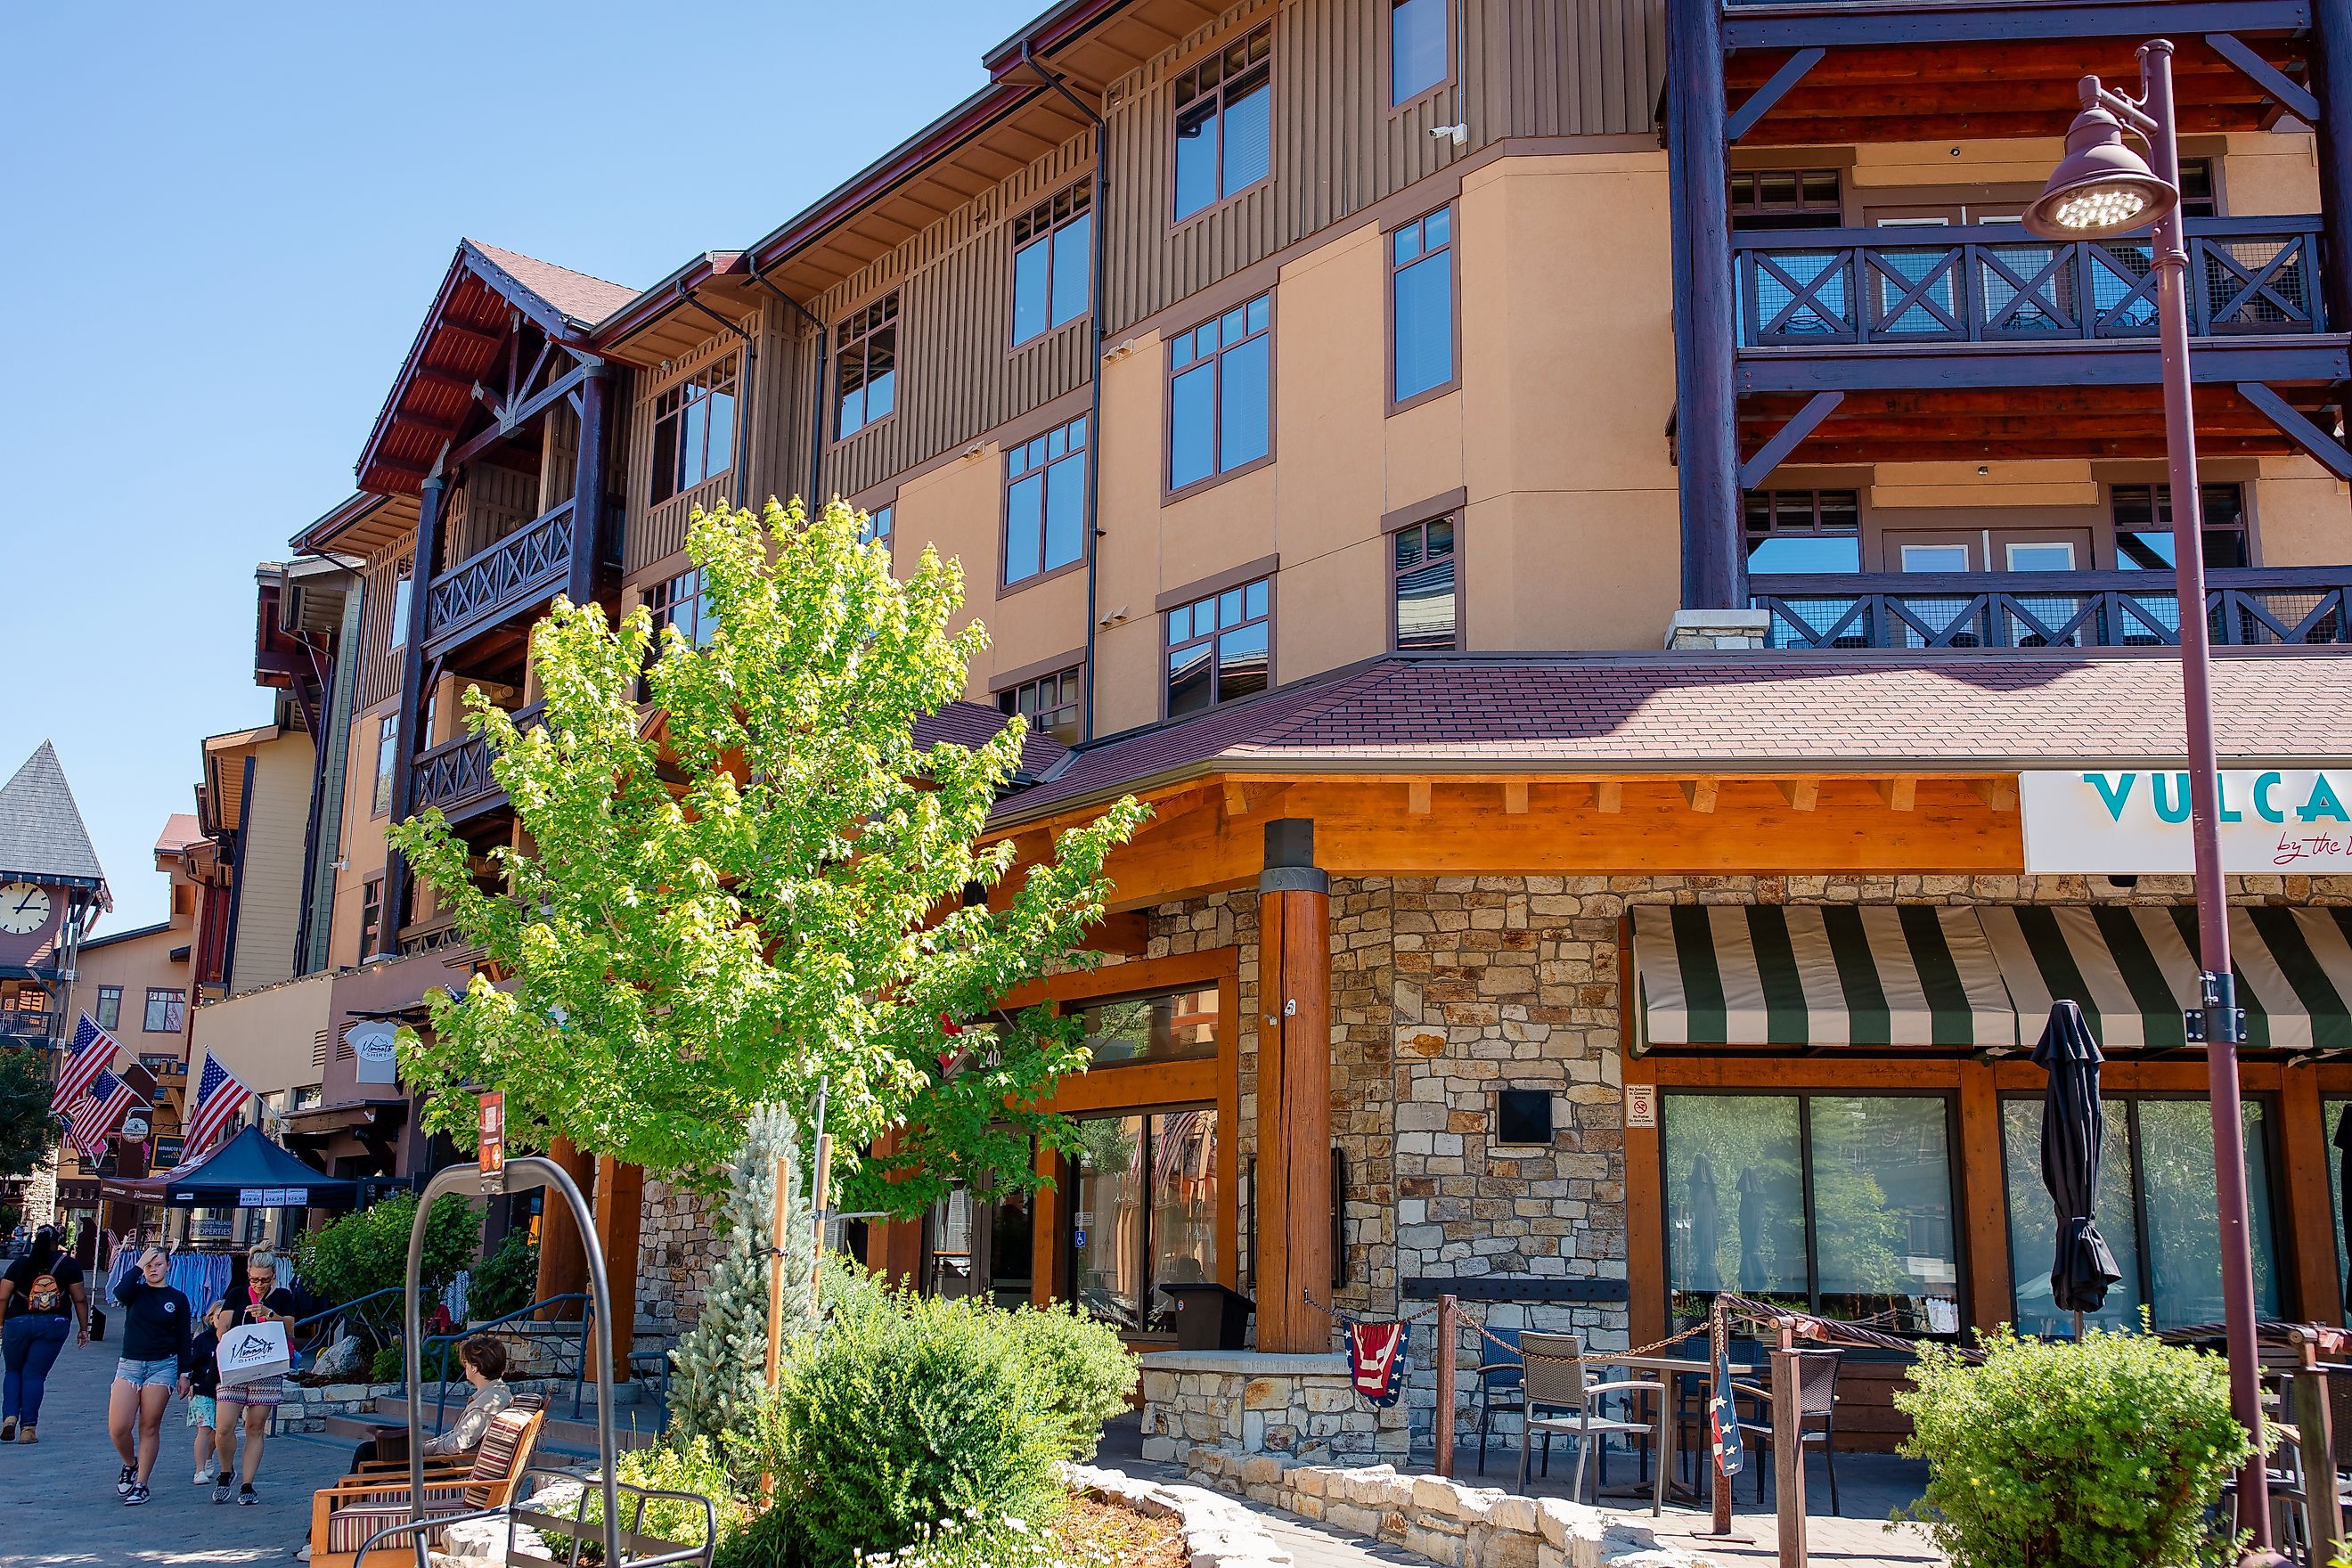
(1335, 404)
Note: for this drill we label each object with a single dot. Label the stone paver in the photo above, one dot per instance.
(57, 1507)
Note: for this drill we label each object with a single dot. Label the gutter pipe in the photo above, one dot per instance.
(816, 384)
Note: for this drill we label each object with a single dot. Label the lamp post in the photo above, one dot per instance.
(2102, 188)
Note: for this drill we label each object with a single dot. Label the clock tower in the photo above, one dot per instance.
(51, 889)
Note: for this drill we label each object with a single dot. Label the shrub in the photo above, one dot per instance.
(387, 1366)
(2101, 1454)
(368, 1251)
(687, 1465)
(506, 1281)
(1079, 1364)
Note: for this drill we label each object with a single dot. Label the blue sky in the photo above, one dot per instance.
(220, 229)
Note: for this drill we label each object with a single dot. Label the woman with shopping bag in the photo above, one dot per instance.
(258, 1299)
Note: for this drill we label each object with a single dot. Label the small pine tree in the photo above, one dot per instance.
(721, 1362)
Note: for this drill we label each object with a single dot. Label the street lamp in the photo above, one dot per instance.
(2102, 188)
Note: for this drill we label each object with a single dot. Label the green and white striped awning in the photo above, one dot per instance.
(1818, 975)
(1921, 975)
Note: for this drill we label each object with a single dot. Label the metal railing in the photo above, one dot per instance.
(523, 568)
(20, 1025)
(445, 1342)
(2249, 608)
(457, 773)
(1996, 283)
(333, 1315)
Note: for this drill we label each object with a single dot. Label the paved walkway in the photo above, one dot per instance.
(58, 1505)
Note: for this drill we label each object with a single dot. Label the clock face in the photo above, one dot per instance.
(24, 907)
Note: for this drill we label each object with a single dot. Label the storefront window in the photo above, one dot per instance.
(1172, 1027)
(1143, 1213)
(1838, 1203)
(980, 1245)
(2156, 1209)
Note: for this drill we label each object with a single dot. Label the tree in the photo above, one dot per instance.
(754, 886)
(28, 1128)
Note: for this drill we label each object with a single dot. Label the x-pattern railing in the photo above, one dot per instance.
(1994, 283)
(456, 772)
(2261, 608)
(517, 567)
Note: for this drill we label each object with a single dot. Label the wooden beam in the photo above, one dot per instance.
(1803, 794)
(1759, 102)
(2321, 443)
(1900, 793)
(1236, 798)
(1999, 794)
(2291, 95)
(1785, 440)
(1700, 794)
(1515, 799)
(1609, 795)
(1416, 797)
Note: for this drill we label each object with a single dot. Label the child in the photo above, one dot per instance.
(204, 1383)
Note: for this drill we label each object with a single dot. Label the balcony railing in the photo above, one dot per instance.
(521, 568)
(1995, 283)
(457, 773)
(20, 1026)
(2259, 607)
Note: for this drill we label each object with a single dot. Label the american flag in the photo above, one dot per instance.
(220, 1096)
(92, 1053)
(99, 1113)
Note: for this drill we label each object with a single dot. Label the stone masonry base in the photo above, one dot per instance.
(1301, 1406)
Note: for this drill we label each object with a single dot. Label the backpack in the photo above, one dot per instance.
(45, 1295)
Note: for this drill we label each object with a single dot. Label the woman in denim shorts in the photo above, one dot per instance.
(156, 1359)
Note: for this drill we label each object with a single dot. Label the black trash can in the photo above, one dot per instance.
(1210, 1316)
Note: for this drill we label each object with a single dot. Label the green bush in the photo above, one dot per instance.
(1079, 1364)
(368, 1251)
(691, 1464)
(506, 1281)
(907, 1410)
(388, 1367)
(2101, 1454)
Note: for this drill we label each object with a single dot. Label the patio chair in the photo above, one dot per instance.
(1817, 1376)
(1500, 1386)
(1554, 1381)
(346, 1514)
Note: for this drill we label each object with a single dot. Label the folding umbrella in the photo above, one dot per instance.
(2073, 1139)
(1753, 1195)
(1706, 1224)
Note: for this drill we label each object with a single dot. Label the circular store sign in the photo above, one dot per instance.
(374, 1043)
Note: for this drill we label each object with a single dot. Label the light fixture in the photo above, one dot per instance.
(2101, 187)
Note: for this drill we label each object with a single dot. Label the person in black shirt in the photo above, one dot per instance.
(42, 1296)
(203, 1383)
(257, 1300)
(157, 1357)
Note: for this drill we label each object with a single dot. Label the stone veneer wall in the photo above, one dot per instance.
(675, 1251)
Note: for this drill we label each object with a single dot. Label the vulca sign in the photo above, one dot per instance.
(2273, 821)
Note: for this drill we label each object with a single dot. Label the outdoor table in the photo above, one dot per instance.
(1675, 1368)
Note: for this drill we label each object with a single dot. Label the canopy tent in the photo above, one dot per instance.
(1939, 976)
(247, 1172)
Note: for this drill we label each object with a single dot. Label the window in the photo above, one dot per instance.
(1786, 198)
(683, 602)
(1417, 48)
(1217, 648)
(399, 612)
(371, 915)
(167, 1009)
(2143, 515)
(694, 430)
(1428, 586)
(1050, 703)
(110, 1006)
(387, 750)
(1143, 1213)
(865, 366)
(2155, 1208)
(1934, 558)
(1840, 1205)
(1225, 123)
(307, 1095)
(1523, 1116)
(1052, 264)
(1804, 531)
(876, 529)
(1420, 303)
(1179, 1026)
(2199, 195)
(2041, 555)
(1045, 502)
(1220, 394)
(981, 1243)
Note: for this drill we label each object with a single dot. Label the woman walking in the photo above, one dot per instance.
(41, 1296)
(257, 1300)
(156, 1359)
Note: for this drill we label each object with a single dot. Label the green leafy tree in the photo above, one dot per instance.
(754, 887)
(28, 1129)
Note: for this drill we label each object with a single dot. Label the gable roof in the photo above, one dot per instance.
(180, 830)
(583, 300)
(42, 837)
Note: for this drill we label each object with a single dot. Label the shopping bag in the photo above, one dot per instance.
(251, 1351)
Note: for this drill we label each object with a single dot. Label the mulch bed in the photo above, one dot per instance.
(1093, 1531)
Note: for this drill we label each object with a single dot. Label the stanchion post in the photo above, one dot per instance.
(819, 1200)
(1718, 1350)
(1449, 1331)
(2315, 1432)
(1788, 1450)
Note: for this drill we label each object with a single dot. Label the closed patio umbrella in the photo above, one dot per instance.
(2343, 1173)
(1753, 1195)
(1706, 1224)
(2073, 1139)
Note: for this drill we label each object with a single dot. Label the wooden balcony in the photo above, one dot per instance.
(22, 1027)
(2254, 607)
(519, 571)
(455, 774)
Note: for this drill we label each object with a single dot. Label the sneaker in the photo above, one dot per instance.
(26, 1435)
(135, 1496)
(245, 1498)
(8, 1430)
(126, 1481)
(206, 1475)
(222, 1487)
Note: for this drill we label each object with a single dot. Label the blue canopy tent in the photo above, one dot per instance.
(247, 1171)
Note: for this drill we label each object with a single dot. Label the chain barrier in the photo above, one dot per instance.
(1346, 1319)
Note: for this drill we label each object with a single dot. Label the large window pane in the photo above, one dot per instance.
(721, 455)
(1883, 1234)
(1065, 507)
(1021, 499)
(2184, 1238)
(1107, 1220)
(1243, 425)
(1073, 262)
(1416, 47)
(1196, 158)
(2034, 1224)
(1241, 663)
(1249, 126)
(1425, 324)
(1168, 1027)
(1032, 305)
(1191, 425)
(1183, 1205)
(1735, 1198)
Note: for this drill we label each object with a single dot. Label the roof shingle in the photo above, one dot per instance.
(41, 833)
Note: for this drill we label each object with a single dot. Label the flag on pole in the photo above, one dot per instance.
(220, 1096)
(100, 1112)
(91, 1053)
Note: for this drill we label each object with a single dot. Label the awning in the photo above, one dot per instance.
(1818, 975)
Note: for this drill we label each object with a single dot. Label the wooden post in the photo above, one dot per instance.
(1788, 1450)
(2303, 1139)
(392, 913)
(2331, 59)
(1293, 1091)
(1449, 1332)
(776, 1275)
(1707, 437)
(588, 487)
(620, 1224)
(563, 1253)
(2314, 1431)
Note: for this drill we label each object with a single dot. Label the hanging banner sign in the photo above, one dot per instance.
(2293, 822)
(490, 1135)
(375, 1047)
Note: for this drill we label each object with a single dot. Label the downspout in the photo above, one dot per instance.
(1094, 374)
(750, 380)
(816, 385)
(236, 883)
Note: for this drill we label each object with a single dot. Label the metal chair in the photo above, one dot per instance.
(1816, 1376)
(1501, 1387)
(1554, 1380)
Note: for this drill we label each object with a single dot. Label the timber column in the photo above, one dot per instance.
(562, 1251)
(1707, 430)
(1293, 1091)
(394, 913)
(588, 486)
(2331, 51)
